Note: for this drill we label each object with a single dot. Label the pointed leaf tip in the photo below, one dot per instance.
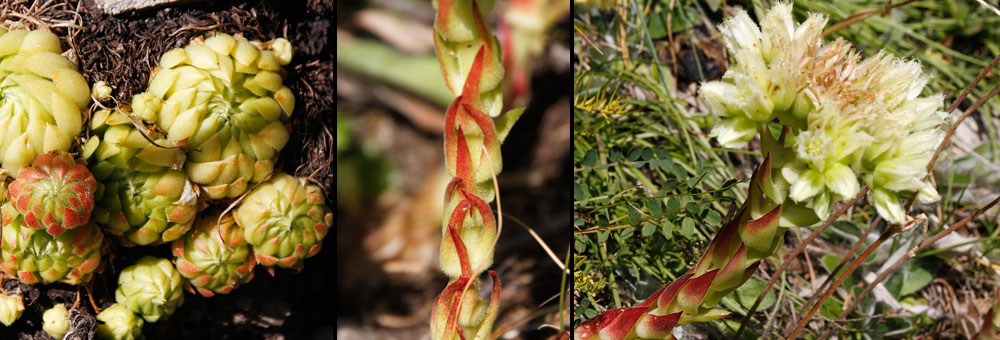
(690, 295)
(621, 326)
(657, 326)
(760, 234)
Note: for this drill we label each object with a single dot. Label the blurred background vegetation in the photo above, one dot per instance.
(650, 188)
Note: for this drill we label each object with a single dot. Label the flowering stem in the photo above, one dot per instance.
(795, 253)
(470, 59)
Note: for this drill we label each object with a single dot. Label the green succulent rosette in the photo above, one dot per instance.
(119, 323)
(35, 256)
(224, 99)
(145, 208)
(151, 288)
(117, 143)
(214, 257)
(55, 321)
(140, 197)
(11, 307)
(41, 97)
(285, 220)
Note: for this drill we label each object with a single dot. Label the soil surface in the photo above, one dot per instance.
(121, 50)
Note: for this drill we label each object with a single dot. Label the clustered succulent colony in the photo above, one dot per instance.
(842, 121)
(470, 57)
(209, 128)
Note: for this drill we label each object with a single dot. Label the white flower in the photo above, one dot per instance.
(887, 205)
(845, 115)
(739, 32)
(734, 132)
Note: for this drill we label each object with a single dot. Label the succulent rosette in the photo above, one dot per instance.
(55, 321)
(285, 220)
(11, 307)
(847, 120)
(41, 99)
(34, 256)
(214, 257)
(224, 99)
(151, 288)
(140, 198)
(116, 143)
(119, 323)
(55, 193)
(146, 208)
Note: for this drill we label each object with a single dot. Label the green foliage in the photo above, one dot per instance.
(650, 189)
(644, 207)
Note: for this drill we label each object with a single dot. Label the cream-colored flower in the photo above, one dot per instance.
(763, 81)
(851, 120)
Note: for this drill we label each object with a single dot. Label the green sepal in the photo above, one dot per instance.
(506, 122)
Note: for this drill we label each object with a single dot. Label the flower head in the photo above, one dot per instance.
(850, 120)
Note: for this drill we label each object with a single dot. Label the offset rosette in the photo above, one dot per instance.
(285, 220)
(116, 143)
(119, 323)
(223, 98)
(55, 321)
(214, 256)
(146, 207)
(55, 193)
(151, 288)
(140, 197)
(33, 256)
(41, 97)
(11, 307)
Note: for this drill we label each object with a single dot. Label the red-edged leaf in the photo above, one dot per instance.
(470, 90)
(760, 234)
(489, 221)
(656, 326)
(670, 290)
(485, 124)
(450, 132)
(690, 295)
(591, 327)
(619, 328)
(453, 185)
(732, 274)
(454, 226)
(722, 245)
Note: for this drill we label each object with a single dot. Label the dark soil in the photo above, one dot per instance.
(121, 50)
